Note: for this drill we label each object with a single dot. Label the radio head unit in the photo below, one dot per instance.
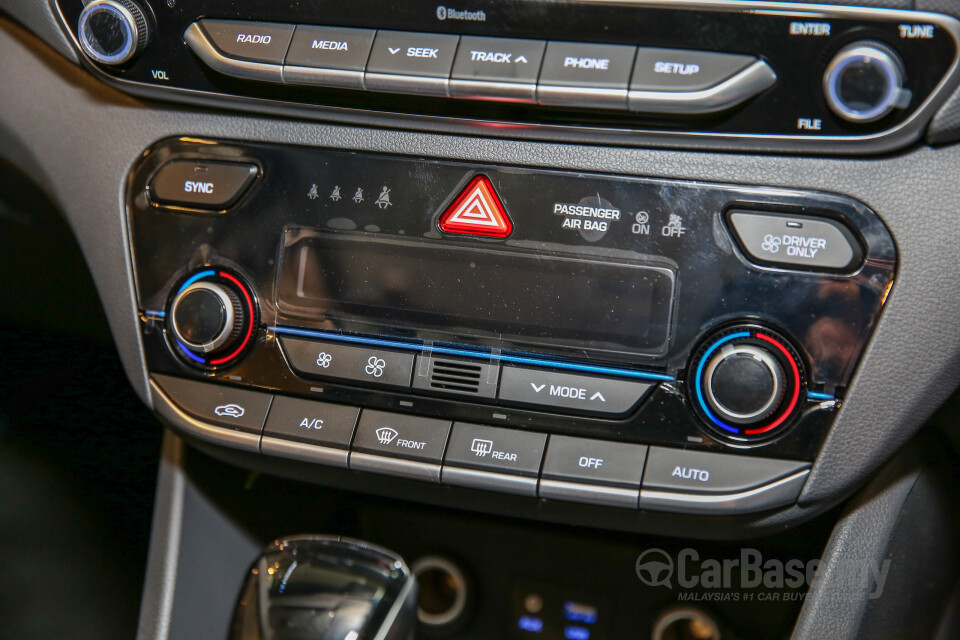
(754, 75)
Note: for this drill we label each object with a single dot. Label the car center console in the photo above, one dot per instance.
(619, 341)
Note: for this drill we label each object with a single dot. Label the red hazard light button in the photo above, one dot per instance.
(477, 211)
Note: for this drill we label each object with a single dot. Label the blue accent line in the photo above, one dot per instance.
(191, 355)
(474, 353)
(816, 395)
(696, 379)
(155, 314)
(195, 277)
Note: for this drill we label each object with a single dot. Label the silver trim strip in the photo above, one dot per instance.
(203, 47)
(589, 493)
(755, 79)
(338, 78)
(780, 493)
(554, 95)
(163, 405)
(524, 92)
(489, 480)
(395, 466)
(398, 83)
(303, 451)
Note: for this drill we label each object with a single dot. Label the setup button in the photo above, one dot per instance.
(588, 394)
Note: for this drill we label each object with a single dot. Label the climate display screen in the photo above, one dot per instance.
(496, 297)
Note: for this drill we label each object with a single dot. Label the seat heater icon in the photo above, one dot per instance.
(481, 447)
(386, 435)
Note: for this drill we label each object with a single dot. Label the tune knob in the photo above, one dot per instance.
(746, 382)
(864, 82)
(112, 31)
(211, 317)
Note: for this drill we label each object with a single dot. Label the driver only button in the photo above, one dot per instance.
(802, 242)
(229, 407)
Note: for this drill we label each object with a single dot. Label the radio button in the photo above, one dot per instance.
(368, 365)
(497, 68)
(585, 75)
(587, 394)
(252, 41)
(407, 62)
(683, 70)
(201, 185)
(399, 444)
(796, 241)
(329, 56)
(229, 407)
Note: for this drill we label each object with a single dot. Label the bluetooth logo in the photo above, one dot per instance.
(771, 243)
(375, 367)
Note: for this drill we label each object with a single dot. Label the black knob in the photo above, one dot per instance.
(864, 82)
(745, 382)
(112, 31)
(211, 317)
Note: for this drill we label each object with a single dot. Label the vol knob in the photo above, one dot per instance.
(112, 32)
(211, 318)
(745, 382)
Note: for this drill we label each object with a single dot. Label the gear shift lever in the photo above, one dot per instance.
(326, 588)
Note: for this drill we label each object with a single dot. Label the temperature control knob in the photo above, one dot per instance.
(211, 317)
(864, 82)
(746, 382)
(112, 31)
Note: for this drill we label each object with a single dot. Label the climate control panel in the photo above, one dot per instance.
(615, 340)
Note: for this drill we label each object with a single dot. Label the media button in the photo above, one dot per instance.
(585, 75)
(369, 365)
(329, 56)
(408, 62)
(587, 394)
(387, 442)
(252, 41)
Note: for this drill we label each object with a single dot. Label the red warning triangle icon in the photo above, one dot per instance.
(477, 211)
